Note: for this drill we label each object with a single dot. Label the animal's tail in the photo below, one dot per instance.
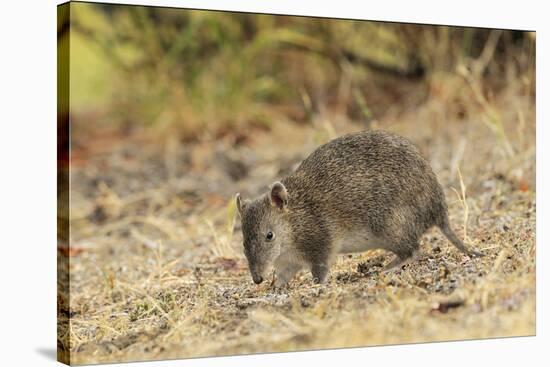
(451, 235)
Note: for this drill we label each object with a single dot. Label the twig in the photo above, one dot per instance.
(479, 65)
(462, 199)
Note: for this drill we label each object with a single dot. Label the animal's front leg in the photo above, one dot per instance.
(319, 271)
(284, 272)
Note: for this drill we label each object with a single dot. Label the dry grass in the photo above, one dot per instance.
(157, 269)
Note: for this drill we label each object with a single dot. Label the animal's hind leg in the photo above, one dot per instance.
(403, 255)
(395, 263)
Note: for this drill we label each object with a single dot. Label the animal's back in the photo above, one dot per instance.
(369, 178)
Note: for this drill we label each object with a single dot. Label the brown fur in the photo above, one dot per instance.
(365, 190)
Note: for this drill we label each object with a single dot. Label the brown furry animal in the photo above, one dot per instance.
(361, 191)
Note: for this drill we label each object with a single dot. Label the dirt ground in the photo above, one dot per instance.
(157, 269)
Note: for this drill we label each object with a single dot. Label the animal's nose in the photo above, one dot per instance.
(257, 279)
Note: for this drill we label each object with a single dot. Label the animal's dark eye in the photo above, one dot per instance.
(269, 236)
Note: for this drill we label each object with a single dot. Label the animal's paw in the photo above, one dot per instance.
(474, 253)
(319, 273)
(279, 283)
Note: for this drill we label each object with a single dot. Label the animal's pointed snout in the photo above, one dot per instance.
(257, 279)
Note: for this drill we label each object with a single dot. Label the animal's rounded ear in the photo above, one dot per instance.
(240, 203)
(278, 195)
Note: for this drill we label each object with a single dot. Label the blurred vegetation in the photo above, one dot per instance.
(204, 72)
